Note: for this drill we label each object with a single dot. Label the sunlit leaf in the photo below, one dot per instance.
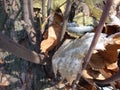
(52, 35)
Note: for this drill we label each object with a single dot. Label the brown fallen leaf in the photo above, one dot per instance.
(105, 61)
(110, 54)
(110, 58)
(52, 35)
(96, 61)
(48, 45)
(110, 29)
(116, 38)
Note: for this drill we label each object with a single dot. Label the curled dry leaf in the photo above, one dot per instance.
(69, 58)
(91, 73)
(52, 35)
(110, 55)
(96, 61)
(106, 61)
(106, 58)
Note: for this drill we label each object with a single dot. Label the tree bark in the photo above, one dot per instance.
(29, 25)
(18, 50)
(43, 10)
(66, 16)
(95, 39)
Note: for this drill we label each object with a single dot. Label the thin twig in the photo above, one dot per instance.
(62, 4)
(112, 79)
(48, 7)
(66, 16)
(95, 39)
(98, 32)
(48, 14)
(31, 13)
(43, 10)
(48, 11)
(29, 27)
(5, 6)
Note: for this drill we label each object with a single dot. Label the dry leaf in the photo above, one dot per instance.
(69, 58)
(84, 85)
(110, 54)
(116, 38)
(110, 29)
(108, 57)
(96, 61)
(52, 35)
(105, 61)
(48, 44)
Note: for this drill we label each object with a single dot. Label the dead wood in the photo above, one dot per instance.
(18, 50)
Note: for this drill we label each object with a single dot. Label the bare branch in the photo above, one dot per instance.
(49, 7)
(29, 25)
(30, 8)
(95, 39)
(43, 10)
(18, 50)
(48, 14)
(66, 16)
(98, 31)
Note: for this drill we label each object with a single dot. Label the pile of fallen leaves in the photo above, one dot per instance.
(68, 59)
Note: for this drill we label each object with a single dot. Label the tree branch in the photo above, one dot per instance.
(29, 25)
(49, 7)
(98, 31)
(95, 39)
(43, 10)
(66, 16)
(18, 50)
